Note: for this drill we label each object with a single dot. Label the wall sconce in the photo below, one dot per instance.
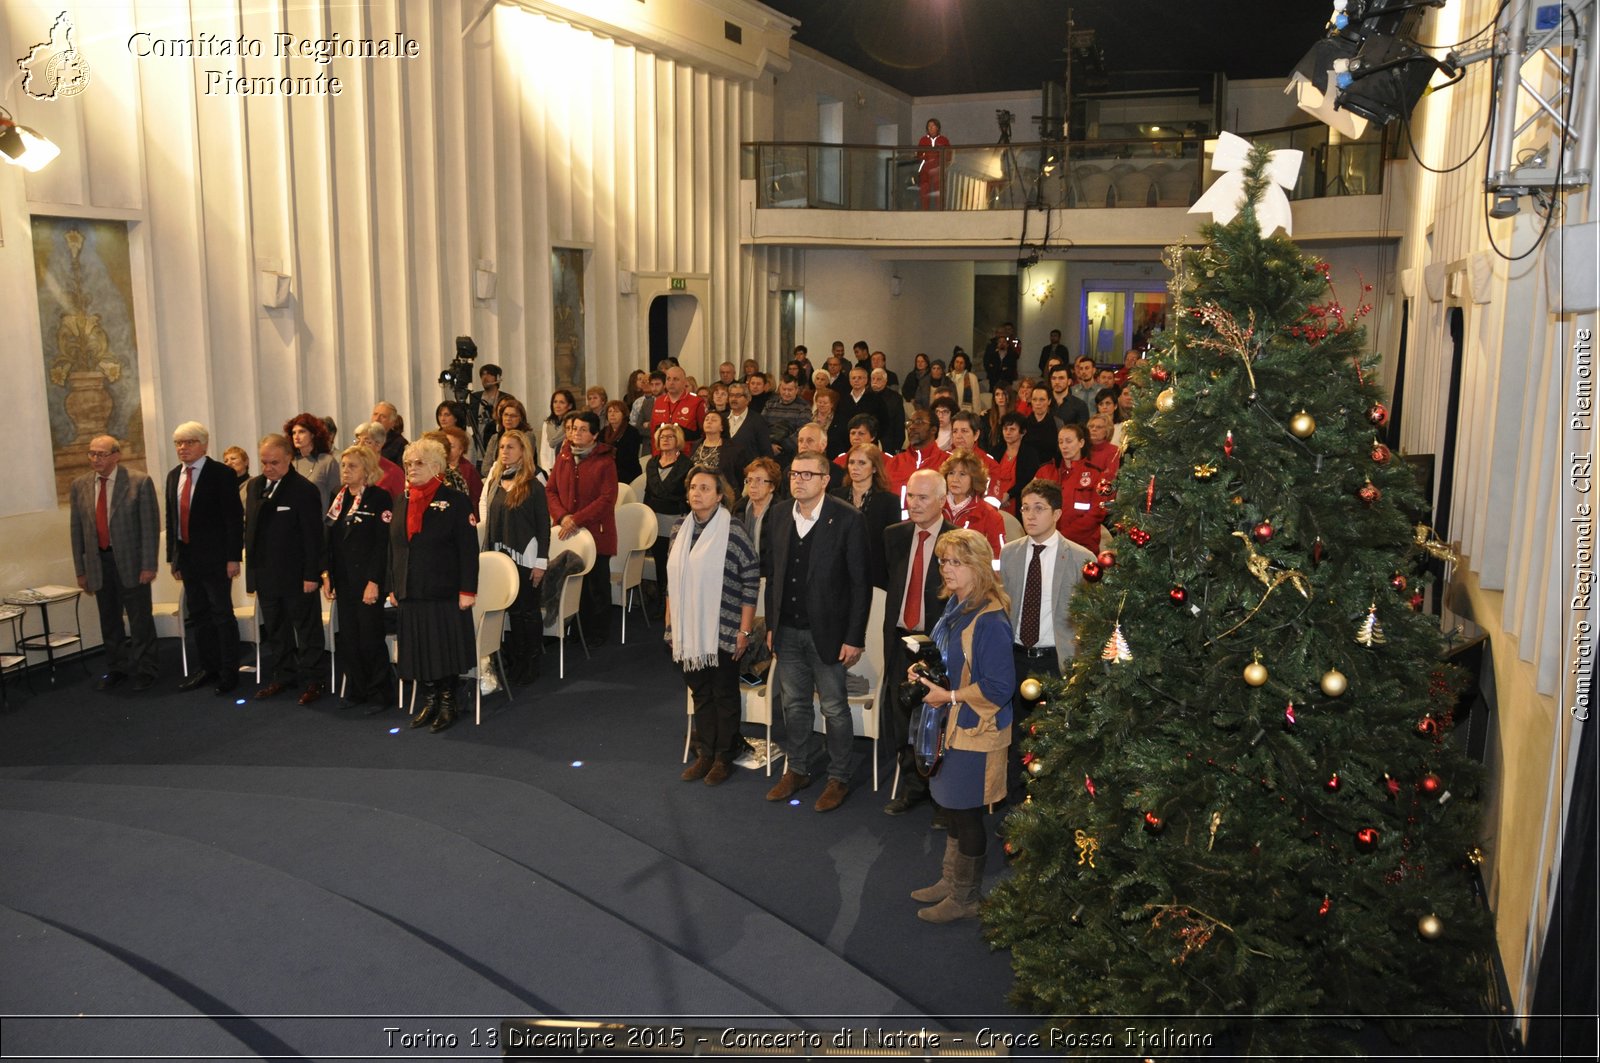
(272, 289)
(894, 285)
(772, 282)
(1043, 290)
(24, 147)
(483, 280)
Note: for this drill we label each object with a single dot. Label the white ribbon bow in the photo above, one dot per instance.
(1226, 196)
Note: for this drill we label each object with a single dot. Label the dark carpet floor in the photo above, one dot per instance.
(187, 875)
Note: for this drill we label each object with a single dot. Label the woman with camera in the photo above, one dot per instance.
(713, 573)
(974, 638)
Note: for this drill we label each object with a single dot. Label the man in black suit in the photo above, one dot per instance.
(1054, 349)
(205, 534)
(384, 413)
(859, 399)
(116, 527)
(747, 431)
(283, 543)
(818, 598)
(912, 608)
(892, 426)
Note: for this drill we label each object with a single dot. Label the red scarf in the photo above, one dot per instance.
(417, 501)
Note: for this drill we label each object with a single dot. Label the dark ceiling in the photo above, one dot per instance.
(954, 47)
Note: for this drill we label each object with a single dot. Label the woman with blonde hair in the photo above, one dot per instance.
(358, 576)
(433, 578)
(974, 637)
(517, 523)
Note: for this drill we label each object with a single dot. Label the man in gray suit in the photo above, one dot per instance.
(116, 530)
(1040, 573)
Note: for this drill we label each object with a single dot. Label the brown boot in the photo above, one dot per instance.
(791, 783)
(941, 889)
(697, 770)
(962, 903)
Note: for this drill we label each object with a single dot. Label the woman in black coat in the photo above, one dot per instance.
(866, 487)
(517, 524)
(623, 438)
(358, 523)
(433, 576)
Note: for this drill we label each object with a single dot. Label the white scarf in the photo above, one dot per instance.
(696, 575)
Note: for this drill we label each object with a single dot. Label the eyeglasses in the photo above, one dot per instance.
(1040, 510)
(949, 562)
(804, 475)
(100, 453)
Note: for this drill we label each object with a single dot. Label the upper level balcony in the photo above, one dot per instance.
(1127, 193)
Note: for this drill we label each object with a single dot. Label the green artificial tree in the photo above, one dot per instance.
(1244, 806)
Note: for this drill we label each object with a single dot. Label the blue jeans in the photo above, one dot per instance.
(802, 671)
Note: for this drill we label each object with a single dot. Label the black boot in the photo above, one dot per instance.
(430, 706)
(527, 647)
(447, 705)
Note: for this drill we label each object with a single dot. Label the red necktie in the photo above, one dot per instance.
(102, 525)
(915, 589)
(1032, 597)
(183, 504)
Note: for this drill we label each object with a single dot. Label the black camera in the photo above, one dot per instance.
(927, 662)
(457, 376)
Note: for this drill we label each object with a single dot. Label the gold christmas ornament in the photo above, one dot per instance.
(1475, 856)
(1205, 472)
(1036, 767)
(1431, 927)
(1255, 673)
(1334, 683)
(1302, 425)
(1087, 845)
(1166, 400)
(1032, 688)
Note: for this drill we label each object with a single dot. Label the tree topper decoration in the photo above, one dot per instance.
(1227, 195)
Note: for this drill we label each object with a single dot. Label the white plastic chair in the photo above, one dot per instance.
(625, 493)
(1013, 527)
(582, 544)
(864, 708)
(637, 486)
(247, 615)
(636, 534)
(166, 606)
(497, 589)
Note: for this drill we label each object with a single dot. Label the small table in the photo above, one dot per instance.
(15, 659)
(49, 642)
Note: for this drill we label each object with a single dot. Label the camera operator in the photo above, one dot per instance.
(480, 412)
(974, 636)
(912, 607)
(1000, 356)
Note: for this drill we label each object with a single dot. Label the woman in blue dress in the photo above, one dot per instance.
(974, 637)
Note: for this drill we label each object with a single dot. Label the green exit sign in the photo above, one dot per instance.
(679, 283)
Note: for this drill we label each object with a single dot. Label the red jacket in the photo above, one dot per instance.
(982, 518)
(902, 465)
(1083, 508)
(586, 491)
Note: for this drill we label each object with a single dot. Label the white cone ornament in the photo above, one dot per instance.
(1225, 197)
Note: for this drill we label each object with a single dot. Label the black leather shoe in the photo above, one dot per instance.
(109, 680)
(198, 680)
(899, 806)
(228, 685)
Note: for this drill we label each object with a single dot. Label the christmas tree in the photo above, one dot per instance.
(1244, 803)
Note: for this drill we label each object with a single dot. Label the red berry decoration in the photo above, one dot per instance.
(1092, 571)
(1139, 536)
(1369, 494)
(1367, 839)
(1153, 823)
(1430, 784)
(1415, 601)
(1380, 453)
(1333, 783)
(1398, 581)
(1107, 559)
(1264, 532)
(1378, 414)
(1177, 596)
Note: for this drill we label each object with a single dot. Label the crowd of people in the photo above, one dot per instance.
(827, 483)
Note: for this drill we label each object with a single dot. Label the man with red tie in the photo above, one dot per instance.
(912, 608)
(116, 529)
(205, 540)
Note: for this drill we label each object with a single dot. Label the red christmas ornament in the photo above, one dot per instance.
(1430, 784)
(1398, 581)
(1318, 551)
(1028, 758)
(1369, 494)
(1139, 536)
(1428, 727)
(1154, 823)
(1326, 905)
(1380, 453)
(1333, 783)
(1106, 489)
(1092, 571)
(1415, 601)
(1088, 784)
(1227, 444)
(1107, 559)
(1177, 596)
(1288, 716)
(1150, 495)
(1159, 374)
(1378, 414)
(1391, 784)
(1263, 532)
(1367, 839)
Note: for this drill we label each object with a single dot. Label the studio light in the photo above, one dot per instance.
(24, 147)
(1369, 66)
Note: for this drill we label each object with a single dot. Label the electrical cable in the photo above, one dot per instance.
(1468, 40)
(1405, 122)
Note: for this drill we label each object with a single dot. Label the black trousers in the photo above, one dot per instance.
(362, 653)
(594, 604)
(210, 624)
(134, 656)
(716, 707)
(898, 718)
(292, 635)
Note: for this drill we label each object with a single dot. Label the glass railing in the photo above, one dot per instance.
(1102, 173)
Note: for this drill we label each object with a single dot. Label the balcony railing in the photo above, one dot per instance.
(1103, 173)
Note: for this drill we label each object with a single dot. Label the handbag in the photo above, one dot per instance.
(928, 723)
